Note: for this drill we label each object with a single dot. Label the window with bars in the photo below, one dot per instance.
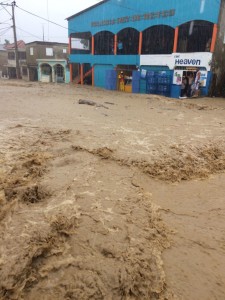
(104, 42)
(158, 40)
(128, 41)
(11, 55)
(22, 55)
(195, 36)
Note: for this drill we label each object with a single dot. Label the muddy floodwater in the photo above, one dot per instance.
(121, 199)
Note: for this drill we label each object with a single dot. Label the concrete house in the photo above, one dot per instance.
(46, 62)
(11, 62)
(3, 60)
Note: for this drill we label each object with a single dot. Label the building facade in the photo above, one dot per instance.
(153, 43)
(3, 61)
(11, 63)
(46, 62)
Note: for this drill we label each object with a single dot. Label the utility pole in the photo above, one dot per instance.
(43, 31)
(18, 75)
(13, 4)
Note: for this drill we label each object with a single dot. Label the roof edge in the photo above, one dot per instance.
(86, 9)
(47, 43)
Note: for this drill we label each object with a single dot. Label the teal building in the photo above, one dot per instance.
(153, 43)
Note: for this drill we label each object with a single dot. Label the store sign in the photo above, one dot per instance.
(187, 61)
(175, 60)
(135, 18)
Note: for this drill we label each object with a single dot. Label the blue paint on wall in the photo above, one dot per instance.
(205, 90)
(99, 73)
(105, 59)
(115, 15)
(136, 76)
(108, 14)
(111, 80)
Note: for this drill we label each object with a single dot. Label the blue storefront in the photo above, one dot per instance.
(154, 43)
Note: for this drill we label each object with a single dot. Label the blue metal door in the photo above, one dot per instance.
(136, 75)
(110, 79)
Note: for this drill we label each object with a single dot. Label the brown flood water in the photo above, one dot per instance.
(121, 200)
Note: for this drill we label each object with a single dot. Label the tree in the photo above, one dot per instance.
(7, 42)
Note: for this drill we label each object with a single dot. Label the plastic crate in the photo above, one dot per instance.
(151, 80)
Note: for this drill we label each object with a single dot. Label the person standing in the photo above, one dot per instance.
(121, 82)
(190, 83)
(184, 87)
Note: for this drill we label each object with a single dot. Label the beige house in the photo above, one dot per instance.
(48, 52)
(11, 62)
(3, 60)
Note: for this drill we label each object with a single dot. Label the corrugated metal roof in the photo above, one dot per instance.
(85, 10)
(47, 43)
(20, 44)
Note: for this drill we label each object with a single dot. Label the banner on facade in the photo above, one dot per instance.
(80, 44)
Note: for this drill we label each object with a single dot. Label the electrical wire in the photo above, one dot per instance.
(47, 20)
(2, 33)
(54, 23)
(4, 3)
(6, 10)
(30, 34)
(4, 22)
(5, 28)
(42, 18)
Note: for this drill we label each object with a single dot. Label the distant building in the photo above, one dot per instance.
(11, 63)
(155, 43)
(46, 62)
(3, 60)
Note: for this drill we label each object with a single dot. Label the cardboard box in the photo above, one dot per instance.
(128, 88)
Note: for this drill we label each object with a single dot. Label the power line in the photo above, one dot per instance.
(15, 41)
(30, 34)
(6, 30)
(54, 23)
(5, 8)
(41, 17)
(12, 5)
(47, 20)
(4, 22)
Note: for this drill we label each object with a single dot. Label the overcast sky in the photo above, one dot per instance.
(31, 28)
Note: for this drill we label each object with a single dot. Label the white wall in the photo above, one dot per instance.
(200, 59)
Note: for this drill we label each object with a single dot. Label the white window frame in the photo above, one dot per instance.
(49, 51)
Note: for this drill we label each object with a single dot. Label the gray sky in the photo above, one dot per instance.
(31, 28)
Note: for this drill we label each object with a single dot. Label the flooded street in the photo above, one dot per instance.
(123, 199)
